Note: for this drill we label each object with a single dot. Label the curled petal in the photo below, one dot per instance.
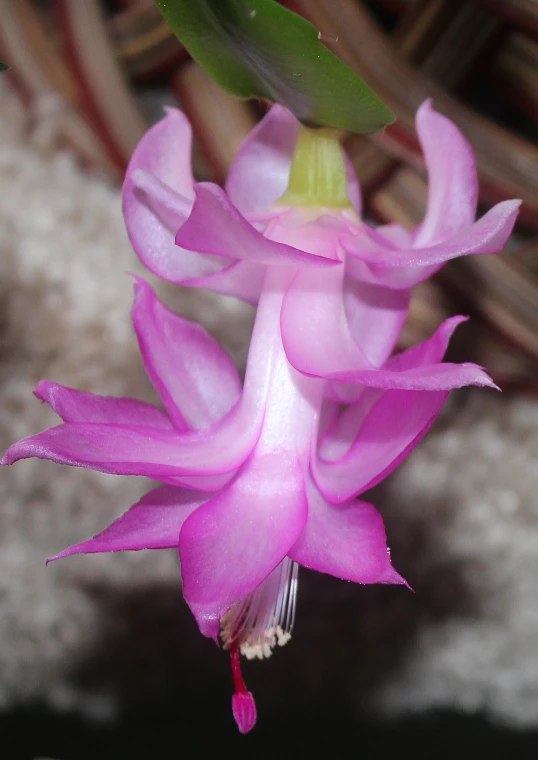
(217, 228)
(260, 170)
(170, 207)
(318, 236)
(320, 344)
(425, 358)
(396, 278)
(420, 367)
(436, 377)
(165, 152)
(323, 333)
(488, 235)
(347, 541)
(77, 406)
(315, 331)
(153, 523)
(391, 429)
(375, 316)
(157, 196)
(393, 235)
(158, 454)
(430, 351)
(335, 440)
(232, 543)
(195, 378)
(452, 177)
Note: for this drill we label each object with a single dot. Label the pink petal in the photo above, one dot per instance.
(318, 343)
(153, 523)
(208, 483)
(353, 187)
(488, 235)
(419, 367)
(452, 177)
(315, 331)
(77, 406)
(394, 234)
(133, 450)
(375, 316)
(339, 434)
(157, 196)
(363, 330)
(196, 380)
(430, 351)
(171, 207)
(217, 228)
(347, 541)
(241, 279)
(319, 236)
(391, 429)
(232, 543)
(260, 171)
(165, 151)
(435, 377)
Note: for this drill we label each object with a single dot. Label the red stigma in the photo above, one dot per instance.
(243, 704)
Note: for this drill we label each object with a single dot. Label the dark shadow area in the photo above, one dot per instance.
(192, 729)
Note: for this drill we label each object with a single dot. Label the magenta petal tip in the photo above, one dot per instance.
(244, 711)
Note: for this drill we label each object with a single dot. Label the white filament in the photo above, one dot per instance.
(265, 618)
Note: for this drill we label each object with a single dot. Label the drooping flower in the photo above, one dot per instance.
(239, 499)
(264, 478)
(225, 243)
(247, 495)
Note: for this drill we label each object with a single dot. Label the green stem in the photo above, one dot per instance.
(318, 174)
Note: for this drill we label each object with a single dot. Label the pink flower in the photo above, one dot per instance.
(261, 478)
(227, 238)
(247, 495)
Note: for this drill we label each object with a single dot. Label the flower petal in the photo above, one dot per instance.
(232, 543)
(379, 445)
(217, 228)
(430, 351)
(420, 367)
(260, 170)
(375, 316)
(353, 187)
(195, 378)
(434, 377)
(153, 523)
(77, 406)
(241, 279)
(133, 450)
(452, 177)
(347, 541)
(336, 439)
(315, 331)
(488, 235)
(165, 151)
(320, 344)
(157, 196)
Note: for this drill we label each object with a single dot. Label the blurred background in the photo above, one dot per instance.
(100, 655)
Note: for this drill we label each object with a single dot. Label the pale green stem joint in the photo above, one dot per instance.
(318, 174)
